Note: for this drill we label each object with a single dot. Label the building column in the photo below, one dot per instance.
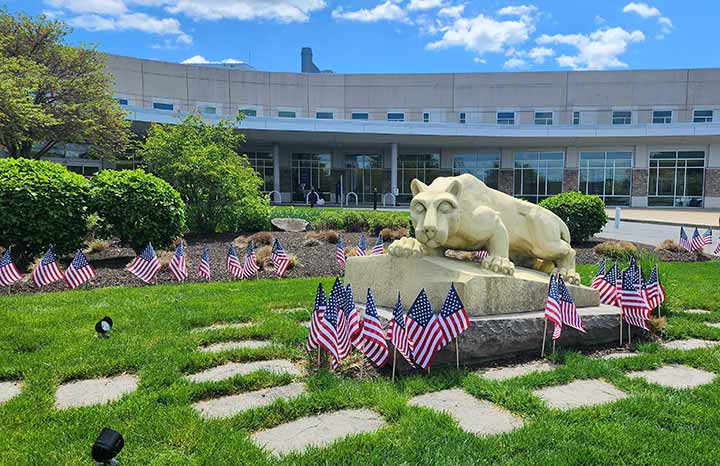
(276, 168)
(505, 182)
(712, 177)
(571, 171)
(639, 180)
(393, 167)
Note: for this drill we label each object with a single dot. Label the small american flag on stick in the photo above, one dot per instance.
(361, 247)
(597, 280)
(397, 332)
(318, 311)
(684, 241)
(47, 271)
(717, 248)
(280, 259)
(233, 262)
(204, 267)
(424, 332)
(479, 255)
(353, 319)
(633, 300)
(79, 272)
(553, 311)
(568, 310)
(337, 301)
(374, 345)
(453, 318)
(378, 247)
(654, 290)
(9, 273)
(340, 253)
(146, 265)
(177, 264)
(700, 241)
(250, 266)
(607, 286)
(327, 333)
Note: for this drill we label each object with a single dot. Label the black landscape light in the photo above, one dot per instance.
(103, 326)
(107, 446)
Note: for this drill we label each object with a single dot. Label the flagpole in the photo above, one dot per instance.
(318, 357)
(553, 346)
(394, 361)
(621, 329)
(542, 352)
(457, 354)
(629, 335)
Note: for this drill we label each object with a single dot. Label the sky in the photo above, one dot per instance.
(376, 36)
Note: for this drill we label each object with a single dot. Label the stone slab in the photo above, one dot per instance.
(233, 345)
(580, 393)
(618, 355)
(713, 324)
(288, 310)
(94, 391)
(696, 311)
(290, 224)
(479, 417)
(223, 326)
(228, 406)
(9, 390)
(231, 369)
(509, 372)
(318, 431)
(483, 292)
(689, 344)
(675, 376)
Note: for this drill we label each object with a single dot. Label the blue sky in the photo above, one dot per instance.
(400, 35)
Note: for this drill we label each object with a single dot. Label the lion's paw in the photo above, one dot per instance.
(570, 276)
(499, 264)
(406, 247)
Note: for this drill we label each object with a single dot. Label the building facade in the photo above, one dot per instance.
(636, 138)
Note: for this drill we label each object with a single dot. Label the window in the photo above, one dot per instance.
(607, 174)
(249, 112)
(538, 175)
(700, 116)
(163, 106)
(396, 116)
(662, 117)
(359, 116)
(424, 167)
(543, 118)
(505, 118)
(485, 167)
(122, 101)
(676, 179)
(462, 118)
(363, 174)
(207, 109)
(262, 162)
(324, 115)
(285, 114)
(311, 170)
(426, 117)
(576, 118)
(622, 117)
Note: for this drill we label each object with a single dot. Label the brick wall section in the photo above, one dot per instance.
(712, 182)
(505, 183)
(570, 180)
(639, 182)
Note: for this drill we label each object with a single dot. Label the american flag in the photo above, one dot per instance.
(9, 273)
(340, 253)
(453, 318)
(479, 255)
(337, 302)
(280, 260)
(654, 290)
(233, 262)
(717, 249)
(353, 319)
(318, 311)
(146, 265)
(361, 247)
(47, 271)
(250, 266)
(607, 286)
(684, 241)
(374, 345)
(424, 333)
(599, 275)
(553, 311)
(397, 332)
(633, 302)
(177, 264)
(378, 247)
(700, 241)
(204, 267)
(79, 272)
(327, 332)
(568, 310)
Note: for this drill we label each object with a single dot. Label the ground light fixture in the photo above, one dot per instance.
(107, 446)
(103, 326)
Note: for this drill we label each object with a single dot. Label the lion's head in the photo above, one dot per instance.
(435, 210)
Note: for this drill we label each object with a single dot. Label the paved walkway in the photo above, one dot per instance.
(649, 233)
(700, 218)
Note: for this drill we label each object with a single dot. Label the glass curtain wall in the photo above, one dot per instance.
(538, 175)
(607, 174)
(262, 162)
(676, 179)
(311, 170)
(364, 173)
(424, 167)
(485, 167)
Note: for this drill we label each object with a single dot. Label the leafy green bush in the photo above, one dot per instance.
(349, 220)
(41, 203)
(584, 214)
(138, 208)
(616, 250)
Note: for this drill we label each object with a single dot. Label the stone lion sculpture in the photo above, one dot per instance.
(462, 213)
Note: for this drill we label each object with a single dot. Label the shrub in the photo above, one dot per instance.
(331, 220)
(349, 220)
(98, 245)
(263, 257)
(669, 246)
(584, 214)
(262, 237)
(390, 234)
(355, 221)
(41, 203)
(329, 236)
(617, 250)
(311, 242)
(138, 208)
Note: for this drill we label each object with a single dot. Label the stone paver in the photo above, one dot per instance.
(696, 311)
(675, 376)
(228, 406)
(290, 309)
(618, 355)
(222, 326)
(479, 417)
(317, 431)
(689, 344)
(94, 391)
(231, 369)
(233, 345)
(713, 324)
(580, 393)
(504, 373)
(9, 390)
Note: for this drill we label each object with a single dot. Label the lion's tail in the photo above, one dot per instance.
(564, 232)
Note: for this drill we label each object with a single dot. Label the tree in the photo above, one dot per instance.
(220, 188)
(52, 93)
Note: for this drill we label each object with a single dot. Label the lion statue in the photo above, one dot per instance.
(462, 213)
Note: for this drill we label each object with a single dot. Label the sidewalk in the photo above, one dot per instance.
(688, 218)
(651, 234)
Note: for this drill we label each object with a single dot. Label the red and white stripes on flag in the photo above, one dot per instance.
(717, 248)
(79, 271)
(453, 317)
(327, 332)
(146, 265)
(553, 311)
(700, 241)
(607, 287)
(340, 253)
(204, 267)
(654, 291)
(479, 255)
(684, 241)
(177, 264)
(397, 332)
(597, 280)
(47, 271)
(374, 345)
(337, 301)
(352, 317)
(318, 311)
(9, 273)
(280, 259)
(232, 262)
(379, 246)
(361, 249)
(250, 266)
(424, 333)
(568, 310)
(633, 300)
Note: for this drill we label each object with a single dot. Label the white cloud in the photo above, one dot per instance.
(599, 20)
(452, 11)
(539, 54)
(479, 60)
(132, 21)
(387, 11)
(514, 63)
(519, 10)
(195, 60)
(642, 9)
(597, 51)
(424, 4)
(101, 7)
(286, 11)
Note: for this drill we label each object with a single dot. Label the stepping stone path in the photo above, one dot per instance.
(689, 344)
(231, 369)
(479, 417)
(580, 393)
(317, 431)
(618, 355)
(94, 391)
(233, 345)
(713, 324)
(9, 390)
(222, 326)
(228, 406)
(289, 310)
(675, 376)
(696, 311)
(504, 373)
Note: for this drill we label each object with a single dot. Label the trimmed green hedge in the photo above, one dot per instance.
(345, 219)
(584, 214)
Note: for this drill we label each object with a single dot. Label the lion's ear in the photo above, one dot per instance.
(455, 188)
(417, 186)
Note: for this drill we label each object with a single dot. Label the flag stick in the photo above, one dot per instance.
(629, 334)
(542, 352)
(553, 346)
(318, 356)
(457, 354)
(394, 361)
(658, 308)
(621, 329)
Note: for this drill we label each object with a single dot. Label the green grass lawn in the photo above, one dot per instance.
(48, 339)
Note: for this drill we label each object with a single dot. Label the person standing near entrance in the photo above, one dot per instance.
(338, 193)
(313, 196)
(375, 198)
